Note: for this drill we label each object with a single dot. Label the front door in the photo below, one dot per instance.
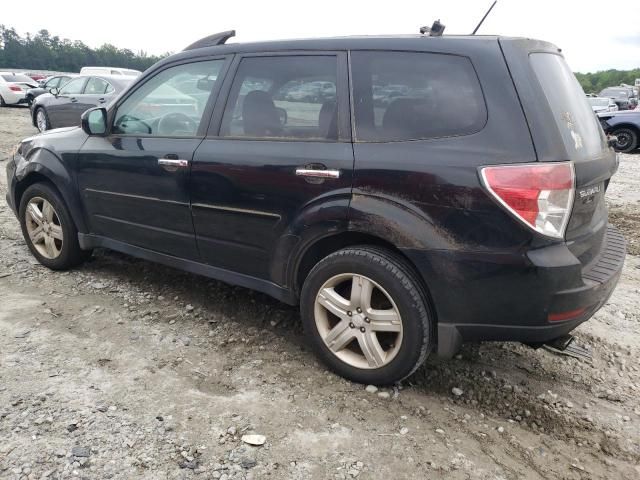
(282, 146)
(63, 109)
(135, 181)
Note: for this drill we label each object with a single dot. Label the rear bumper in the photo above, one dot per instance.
(510, 299)
(14, 98)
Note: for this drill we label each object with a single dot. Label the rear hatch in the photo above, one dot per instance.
(564, 127)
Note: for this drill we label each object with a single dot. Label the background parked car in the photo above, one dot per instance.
(109, 71)
(623, 96)
(602, 104)
(46, 85)
(13, 88)
(64, 106)
(625, 126)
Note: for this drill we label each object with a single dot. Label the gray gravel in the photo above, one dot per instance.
(124, 369)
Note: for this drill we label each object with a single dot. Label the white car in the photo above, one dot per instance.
(109, 71)
(602, 104)
(13, 88)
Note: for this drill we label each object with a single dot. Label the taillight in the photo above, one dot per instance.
(15, 88)
(539, 195)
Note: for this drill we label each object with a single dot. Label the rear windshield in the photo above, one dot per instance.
(18, 78)
(582, 135)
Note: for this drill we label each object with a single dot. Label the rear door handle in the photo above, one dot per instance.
(317, 173)
(173, 164)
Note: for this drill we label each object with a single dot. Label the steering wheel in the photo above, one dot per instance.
(136, 127)
(175, 122)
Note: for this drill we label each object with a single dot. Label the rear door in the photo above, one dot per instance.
(279, 146)
(564, 127)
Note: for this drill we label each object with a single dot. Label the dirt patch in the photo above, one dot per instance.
(129, 370)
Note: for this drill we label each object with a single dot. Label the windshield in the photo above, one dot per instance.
(18, 78)
(614, 92)
(598, 102)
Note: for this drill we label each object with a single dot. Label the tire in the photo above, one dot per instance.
(29, 100)
(396, 290)
(627, 140)
(62, 251)
(2, 102)
(45, 125)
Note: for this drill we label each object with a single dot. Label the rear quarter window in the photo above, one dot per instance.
(402, 96)
(578, 125)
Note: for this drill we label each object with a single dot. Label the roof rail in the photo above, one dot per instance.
(212, 40)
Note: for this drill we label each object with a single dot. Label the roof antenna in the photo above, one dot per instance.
(485, 16)
(434, 30)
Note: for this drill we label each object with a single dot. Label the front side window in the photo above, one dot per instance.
(96, 86)
(283, 97)
(52, 83)
(171, 103)
(74, 87)
(402, 96)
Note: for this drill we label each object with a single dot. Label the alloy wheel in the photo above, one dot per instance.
(358, 321)
(41, 120)
(44, 228)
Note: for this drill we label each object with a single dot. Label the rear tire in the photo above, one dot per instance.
(48, 228)
(627, 140)
(367, 316)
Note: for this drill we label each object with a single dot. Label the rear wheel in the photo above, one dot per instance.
(42, 119)
(627, 140)
(48, 228)
(366, 315)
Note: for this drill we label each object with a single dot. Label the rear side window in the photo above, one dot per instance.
(412, 96)
(579, 127)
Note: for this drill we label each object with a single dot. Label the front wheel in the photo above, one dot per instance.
(42, 119)
(367, 316)
(48, 228)
(627, 140)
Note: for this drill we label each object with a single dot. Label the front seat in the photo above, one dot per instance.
(260, 116)
(327, 121)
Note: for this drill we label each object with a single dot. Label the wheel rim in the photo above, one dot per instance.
(358, 321)
(44, 228)
(41, 120)
(623, 140)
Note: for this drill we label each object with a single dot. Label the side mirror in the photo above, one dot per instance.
(55, 91)
(94, 121)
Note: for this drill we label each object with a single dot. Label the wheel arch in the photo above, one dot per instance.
(44, 167)
(631, 126)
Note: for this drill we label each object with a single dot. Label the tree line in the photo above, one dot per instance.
(43, 51)
(594, 82)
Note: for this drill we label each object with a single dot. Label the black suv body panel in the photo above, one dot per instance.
(241, 215)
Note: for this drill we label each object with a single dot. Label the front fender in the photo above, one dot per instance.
(42, 162)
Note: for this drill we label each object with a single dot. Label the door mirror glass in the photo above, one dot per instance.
(94, 121)
(55, 91)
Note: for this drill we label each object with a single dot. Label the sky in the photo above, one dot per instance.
(593, 35)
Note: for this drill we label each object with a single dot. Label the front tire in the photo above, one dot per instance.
(367, 316)
(48, 228)
(42, 120)
(627, 140)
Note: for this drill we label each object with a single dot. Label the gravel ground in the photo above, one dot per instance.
(128, 370)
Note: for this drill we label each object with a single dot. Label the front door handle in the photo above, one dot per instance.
(73, 99)
(101, 100)
(317, 173)
(173, 164)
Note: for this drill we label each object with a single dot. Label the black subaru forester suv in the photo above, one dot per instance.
(409, 192)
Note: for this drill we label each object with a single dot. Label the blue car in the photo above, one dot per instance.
(625, 126)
